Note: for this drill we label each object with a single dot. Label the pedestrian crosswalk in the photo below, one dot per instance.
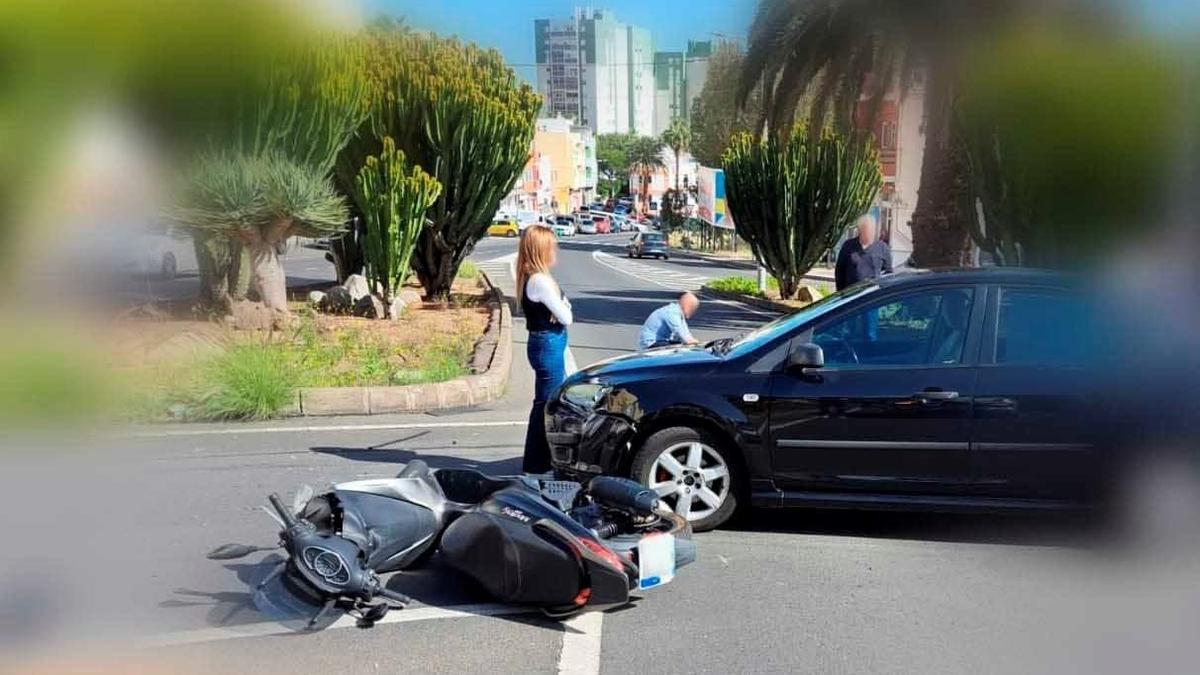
(501, 270)
(651, 271)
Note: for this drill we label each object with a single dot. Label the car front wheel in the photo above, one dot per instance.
(692, 473)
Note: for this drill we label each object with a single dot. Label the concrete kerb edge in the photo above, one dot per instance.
(475, 389)
(761, 303)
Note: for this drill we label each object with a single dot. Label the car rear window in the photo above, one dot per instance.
(654, 238)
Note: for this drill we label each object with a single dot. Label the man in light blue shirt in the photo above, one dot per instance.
(668, 324)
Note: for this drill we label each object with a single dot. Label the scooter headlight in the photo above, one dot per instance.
(327, 564)
(585, 395)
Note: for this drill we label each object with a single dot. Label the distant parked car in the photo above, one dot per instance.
(650, 244)
(585, 224)
(504, 227)
(603, 224)
(563, 226)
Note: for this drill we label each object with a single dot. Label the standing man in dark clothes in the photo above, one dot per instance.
(865, 257)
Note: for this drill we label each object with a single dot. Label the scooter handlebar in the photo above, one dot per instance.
(288, 519)
(623, 493)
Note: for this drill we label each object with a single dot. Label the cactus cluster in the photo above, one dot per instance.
(458, 112)
(792, 197)
(393, 197)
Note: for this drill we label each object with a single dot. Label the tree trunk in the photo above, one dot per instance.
(266, 271)
(939, 230)
(788, 285)
(436, 279)
(224, 269)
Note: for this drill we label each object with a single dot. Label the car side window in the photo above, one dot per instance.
(924, 328)
(1040, 327)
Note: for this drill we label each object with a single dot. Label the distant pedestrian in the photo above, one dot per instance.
(547, 315)
(863, 257)
(668, 324)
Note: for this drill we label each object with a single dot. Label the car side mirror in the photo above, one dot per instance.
(804, 357)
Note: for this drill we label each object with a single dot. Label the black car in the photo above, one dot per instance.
(651, 244)
(947, 390)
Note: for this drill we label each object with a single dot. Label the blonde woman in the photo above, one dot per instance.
(547, 315)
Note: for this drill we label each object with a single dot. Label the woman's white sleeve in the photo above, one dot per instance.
(541, 288)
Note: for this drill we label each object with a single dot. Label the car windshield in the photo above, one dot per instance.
(768, 332)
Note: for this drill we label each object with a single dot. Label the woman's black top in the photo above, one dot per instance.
(538, 316)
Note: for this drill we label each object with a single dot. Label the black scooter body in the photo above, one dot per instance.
(526, 540)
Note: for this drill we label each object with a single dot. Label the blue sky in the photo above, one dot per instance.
(507, 25)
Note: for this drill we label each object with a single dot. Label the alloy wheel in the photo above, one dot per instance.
(691, 478)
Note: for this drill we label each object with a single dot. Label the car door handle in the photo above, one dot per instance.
(937, 395)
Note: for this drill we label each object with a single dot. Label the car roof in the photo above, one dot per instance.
(975, 275)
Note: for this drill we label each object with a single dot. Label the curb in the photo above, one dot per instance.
(491, 362)
(742, 264)
(727, 262)
(761, 303)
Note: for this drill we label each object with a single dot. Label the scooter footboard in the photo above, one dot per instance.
(511, 560)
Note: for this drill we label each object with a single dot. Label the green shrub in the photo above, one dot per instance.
(468, 270)
(740, 285)
(249, 382)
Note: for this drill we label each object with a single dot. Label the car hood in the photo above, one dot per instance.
(664, 358)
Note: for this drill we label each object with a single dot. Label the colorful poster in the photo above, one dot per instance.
(710, 197)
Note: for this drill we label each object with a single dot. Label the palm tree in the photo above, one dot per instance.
(827, 55)
(645, 157)
(678, 137)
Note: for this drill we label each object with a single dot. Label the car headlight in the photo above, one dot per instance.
(585, 395)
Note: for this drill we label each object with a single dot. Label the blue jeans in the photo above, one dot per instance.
(547, 354)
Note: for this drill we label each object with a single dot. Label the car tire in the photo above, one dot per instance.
(511, 234)
(717, 474)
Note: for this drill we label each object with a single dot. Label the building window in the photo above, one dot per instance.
(888, 133)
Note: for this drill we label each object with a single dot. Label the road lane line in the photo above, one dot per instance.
(572, 365)
(598, 256)
(582, 639)
(271, 628)
(169, 433)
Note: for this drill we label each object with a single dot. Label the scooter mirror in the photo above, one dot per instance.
(234, 551)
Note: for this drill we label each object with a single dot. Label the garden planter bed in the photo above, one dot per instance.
(434, 356)
(490, 362)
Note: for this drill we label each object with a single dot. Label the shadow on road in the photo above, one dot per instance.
(400, 457)
(1013, 529)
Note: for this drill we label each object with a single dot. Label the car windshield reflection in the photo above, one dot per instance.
(785, 324)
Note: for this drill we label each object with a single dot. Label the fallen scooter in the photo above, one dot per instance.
(559, 546)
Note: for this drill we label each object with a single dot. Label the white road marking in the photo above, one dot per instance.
(610, 262)
(582, 639)
(505, 265)
(169, 433)
(666, 278)
(571, 364)
(269, 628)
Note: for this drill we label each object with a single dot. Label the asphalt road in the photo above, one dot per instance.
(117, 561)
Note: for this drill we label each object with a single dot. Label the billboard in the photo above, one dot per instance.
(710, 198)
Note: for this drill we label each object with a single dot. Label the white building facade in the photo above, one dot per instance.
(597, 72)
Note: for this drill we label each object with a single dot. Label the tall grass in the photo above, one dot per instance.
(468, 270)
(248, 382)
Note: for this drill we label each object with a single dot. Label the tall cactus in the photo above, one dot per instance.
(792, 197)
(459, 112)
(393, 199)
